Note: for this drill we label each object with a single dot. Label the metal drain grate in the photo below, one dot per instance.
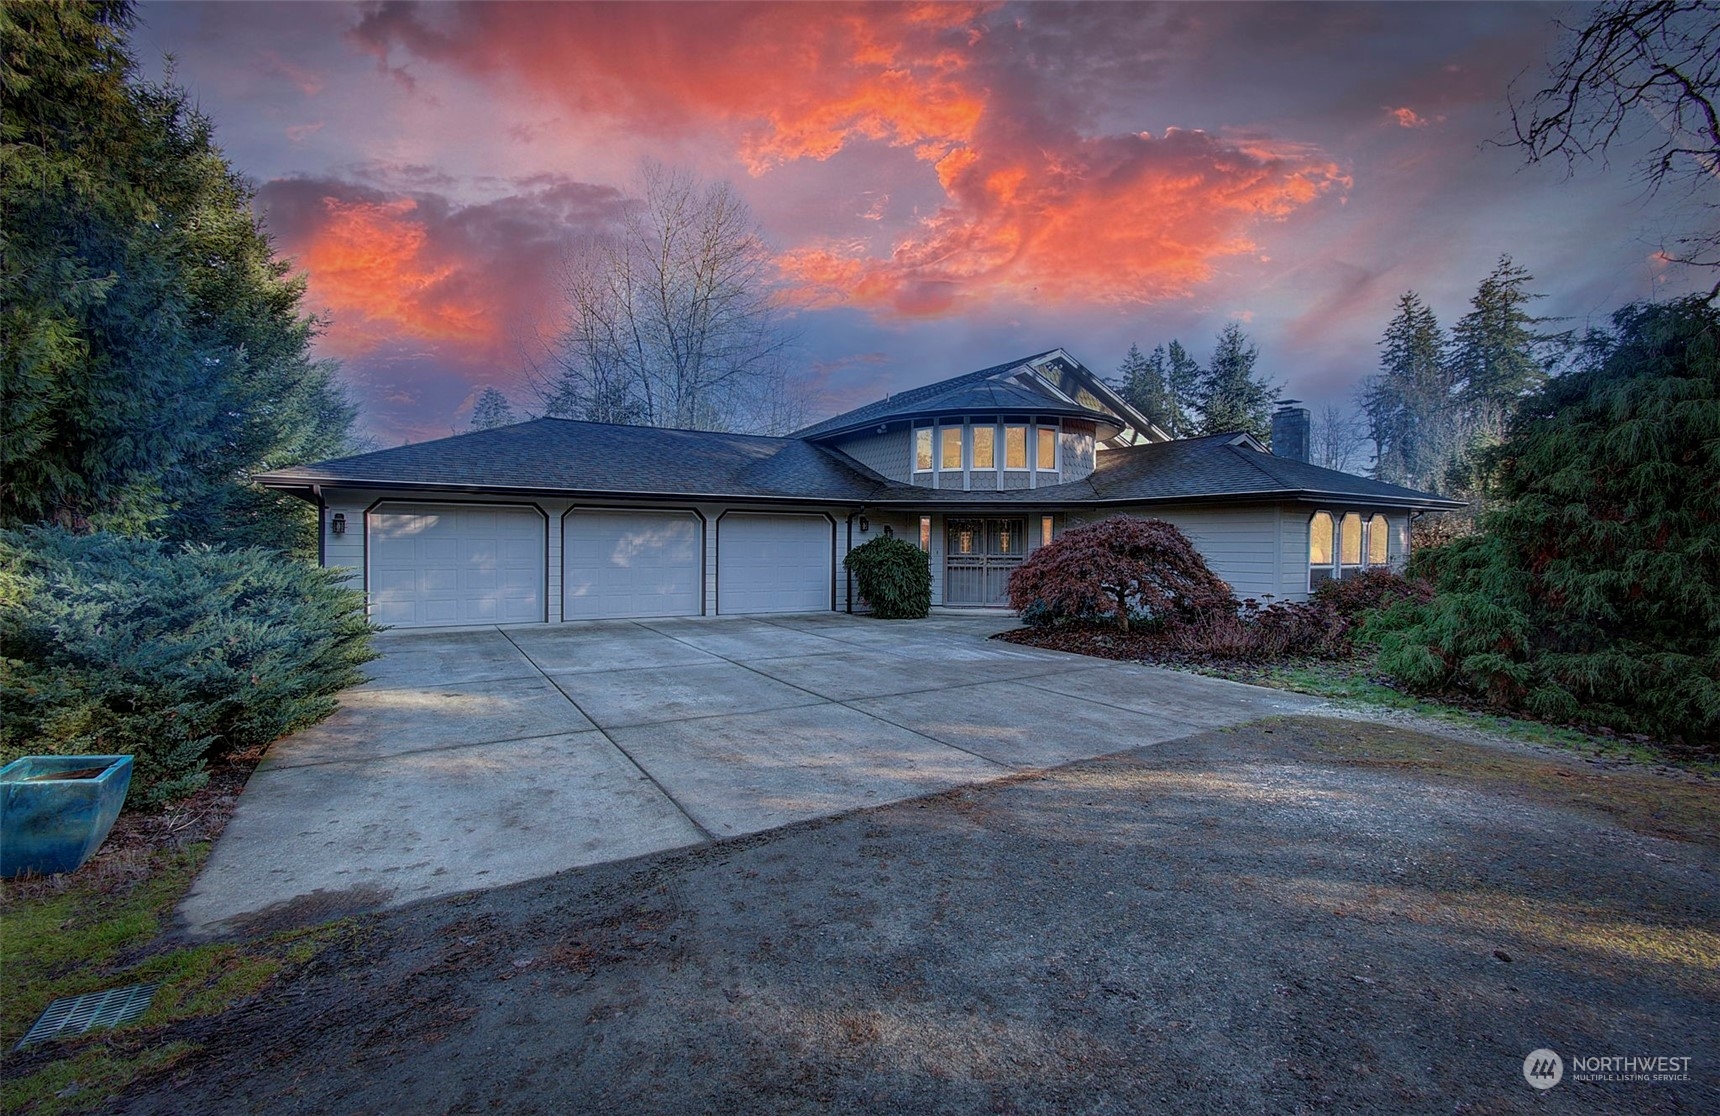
(93, 1011)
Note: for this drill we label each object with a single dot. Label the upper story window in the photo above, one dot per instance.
(1047, 448)
(984, 447)
(923, 449)
(1015, 447)
(952, 447)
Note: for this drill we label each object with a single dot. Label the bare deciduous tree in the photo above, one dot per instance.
(1339, 438)
(1639, 71)
(673, 319)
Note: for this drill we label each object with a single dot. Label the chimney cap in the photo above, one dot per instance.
(1286, 404)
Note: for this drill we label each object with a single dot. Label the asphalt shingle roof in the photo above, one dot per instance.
(916, 400)
(591, 457)
(564, 456)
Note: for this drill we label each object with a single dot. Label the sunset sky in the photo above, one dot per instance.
(945, 186)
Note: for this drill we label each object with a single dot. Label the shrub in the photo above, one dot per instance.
(1120, 568)
(172, 654)
(1370, 591)
(1257, 634)
(1592, 591)
(894, 575)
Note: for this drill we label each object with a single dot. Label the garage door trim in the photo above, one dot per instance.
(431, 502)
(704, 535)
(826, 516)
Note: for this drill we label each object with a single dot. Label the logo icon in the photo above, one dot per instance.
(1543, 1069)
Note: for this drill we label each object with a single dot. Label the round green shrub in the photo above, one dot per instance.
(171, 654)
(894, 575)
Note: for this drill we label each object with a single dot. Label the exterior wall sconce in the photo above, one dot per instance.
(338, 523)
(865, 525)
(889, 531)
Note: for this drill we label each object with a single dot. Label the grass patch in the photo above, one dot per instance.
(1661, 805)
(101, 927)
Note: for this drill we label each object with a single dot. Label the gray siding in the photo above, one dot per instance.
(890, 453)
(1075, 454)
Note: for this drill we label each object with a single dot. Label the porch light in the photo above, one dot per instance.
(338, 523)
(865, 525)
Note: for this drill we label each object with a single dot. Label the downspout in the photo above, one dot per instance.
(849, 599)
(322, 529)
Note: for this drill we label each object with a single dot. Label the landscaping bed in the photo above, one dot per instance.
(109, 925)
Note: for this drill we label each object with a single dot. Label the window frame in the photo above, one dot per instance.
(1008, 430)
(925, 433)
(960, 432)
(1039, 444)
(974, 431)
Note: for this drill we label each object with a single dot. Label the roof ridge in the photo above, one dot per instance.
(649, 426)
(1259, 468)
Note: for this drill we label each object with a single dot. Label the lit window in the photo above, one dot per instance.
(1379, 540)
(1350, 542)
(926, 525)
(952, 447)
(1320, 540)
(1044, 530)
(984, 447)
(1047, 449)
(1320, 551)
(1015, 447)
(923, 449)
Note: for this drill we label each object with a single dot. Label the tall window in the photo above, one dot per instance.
(1047, 449)
(1350, 541)
(1379, 541)
(1015, 447)
(923, 449)
(1319, 549)
(926, 533)
(1045, 525)
(984, 447)
(952, 440)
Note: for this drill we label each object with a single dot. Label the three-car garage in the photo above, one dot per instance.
(443, 564)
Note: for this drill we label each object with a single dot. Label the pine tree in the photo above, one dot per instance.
(1141, 383)
(1182, 383)
(1411, 404)
(152, 349)
(1230, 397)
(491, 410)
(1493, 348)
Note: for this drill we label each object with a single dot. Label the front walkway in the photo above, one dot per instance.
(481, 757)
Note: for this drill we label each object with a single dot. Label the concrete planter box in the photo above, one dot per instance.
(55, 811)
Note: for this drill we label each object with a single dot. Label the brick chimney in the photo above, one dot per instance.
(1290, 430)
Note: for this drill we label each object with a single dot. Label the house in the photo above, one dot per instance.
(553, 520)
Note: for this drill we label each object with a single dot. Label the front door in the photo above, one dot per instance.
(979, 556)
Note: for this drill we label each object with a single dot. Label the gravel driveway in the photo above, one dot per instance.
(1298, 915)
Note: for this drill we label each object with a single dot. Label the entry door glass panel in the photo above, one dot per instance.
(979, 556)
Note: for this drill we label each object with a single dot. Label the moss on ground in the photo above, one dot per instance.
(103, 927)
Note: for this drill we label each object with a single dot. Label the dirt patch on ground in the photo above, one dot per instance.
(1295, 916)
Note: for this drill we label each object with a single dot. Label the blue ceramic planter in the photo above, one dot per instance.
(56, 810)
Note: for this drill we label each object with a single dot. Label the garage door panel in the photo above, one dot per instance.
(632, 563)
(773, 563)
(436, 565)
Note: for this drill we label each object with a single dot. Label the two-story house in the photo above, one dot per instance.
(555, 520)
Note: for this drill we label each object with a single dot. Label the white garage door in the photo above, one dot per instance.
(436, 564)
(773, 563)
(631, 563)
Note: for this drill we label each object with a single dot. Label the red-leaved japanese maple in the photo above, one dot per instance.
(1120, 566)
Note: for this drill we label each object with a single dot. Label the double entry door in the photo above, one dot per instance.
(979, 556)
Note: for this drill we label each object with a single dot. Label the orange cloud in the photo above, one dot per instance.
(1407, 117)
(369, 261)
(1032, 206)
(1121, 220)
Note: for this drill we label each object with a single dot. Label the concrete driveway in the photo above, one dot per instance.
(481, 757)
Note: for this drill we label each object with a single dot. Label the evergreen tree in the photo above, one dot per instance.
(1410, 403)
(1182, 384)
(1493, 348)
(151, 346)
(1230, 397)
(1141, 382)
(491, 410)
(1593, 588)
